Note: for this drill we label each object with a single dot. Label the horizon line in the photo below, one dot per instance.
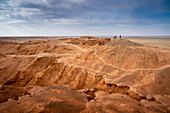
(88, 36)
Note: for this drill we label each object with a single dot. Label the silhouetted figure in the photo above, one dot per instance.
(115, 37)
(120, 36)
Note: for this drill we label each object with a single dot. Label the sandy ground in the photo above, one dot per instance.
(26, 39)
(162, 42)
(86, 74)
(158, 42)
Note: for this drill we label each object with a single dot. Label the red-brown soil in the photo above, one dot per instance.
(85, 74)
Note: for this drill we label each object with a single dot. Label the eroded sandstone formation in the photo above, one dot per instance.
(85, 74)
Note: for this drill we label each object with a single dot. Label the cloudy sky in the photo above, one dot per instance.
(84, 17)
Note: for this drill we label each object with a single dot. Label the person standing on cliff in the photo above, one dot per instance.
(120, 36)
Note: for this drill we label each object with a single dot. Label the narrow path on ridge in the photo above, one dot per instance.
(132, 70)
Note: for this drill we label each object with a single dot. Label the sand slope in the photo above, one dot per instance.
(114, 76)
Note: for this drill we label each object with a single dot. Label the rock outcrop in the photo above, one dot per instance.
(84, 74)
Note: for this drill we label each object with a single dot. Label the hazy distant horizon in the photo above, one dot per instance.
(84, 36)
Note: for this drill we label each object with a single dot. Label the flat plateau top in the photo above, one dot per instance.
(158, 42)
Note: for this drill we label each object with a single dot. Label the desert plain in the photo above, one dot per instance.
(84, 75)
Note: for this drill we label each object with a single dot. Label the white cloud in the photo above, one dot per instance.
(65, 21)
(82, 16)
(8, 30)
(1, 17)
(13, 21)
(27, 12)
(46, 2)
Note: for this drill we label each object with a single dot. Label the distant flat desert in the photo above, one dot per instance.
(162, 42)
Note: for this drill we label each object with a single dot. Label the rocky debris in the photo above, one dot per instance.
(47, 99)
(88, 37)
(2, 55)
(90, 93)
(1, 87)
(74, 77)
(115, 103)
(119, 76)
(89, 41)
(21, 78)
(58, 98)
(10, 92)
